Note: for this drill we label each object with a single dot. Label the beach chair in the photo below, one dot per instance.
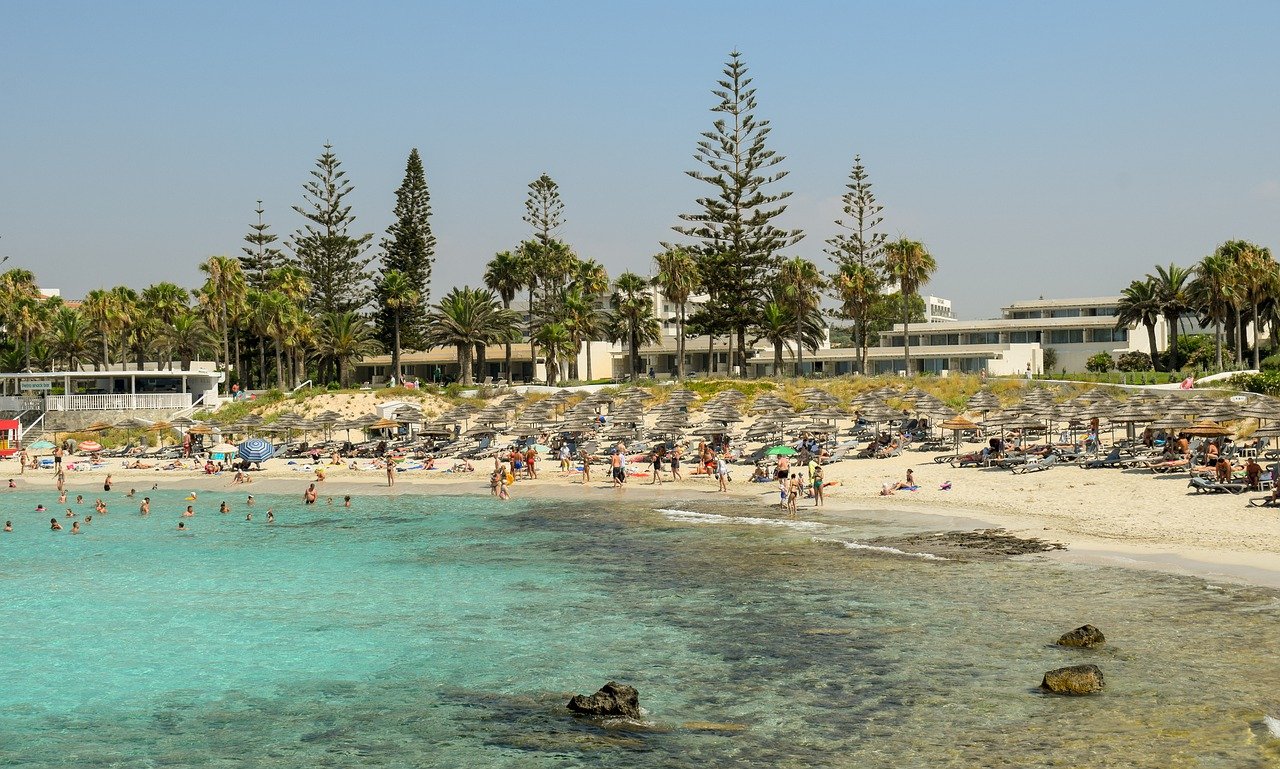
(1204, 485)
(1036, 465)
(1267, 501)
(1112, 459)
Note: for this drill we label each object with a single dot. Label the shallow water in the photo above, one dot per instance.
(449, 631)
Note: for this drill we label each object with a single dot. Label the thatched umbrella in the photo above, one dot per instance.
(96, 427)
(1207, 428)
(959, 424)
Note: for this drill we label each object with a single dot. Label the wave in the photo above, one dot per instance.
(1273, 725)
(689, 516)
(881, 549)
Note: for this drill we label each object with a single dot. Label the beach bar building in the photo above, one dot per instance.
(87, 396)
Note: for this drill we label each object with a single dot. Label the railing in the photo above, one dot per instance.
(18, 403)
(189, 410)
(22, 431)
(118, 402)
(299, 387)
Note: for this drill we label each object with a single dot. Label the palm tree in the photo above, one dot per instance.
(69, 337)
(1256, 276)
(225, 288)
(858, 287)
(270, 313)
(187, 337)
(632, 318)
(528, 255)
(345, 337)
(557, 344)
(466, 317)
(505, 275)
(591, 281)
(397, 294)
(580, 317)
(104, 310)
(28, 320)
(1212, 293)
(801, 284)
(1171, 285)
(775, 327)
(911, 266)
(677, 278)
(1140, 304)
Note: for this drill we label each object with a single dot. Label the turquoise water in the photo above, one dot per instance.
(449, 631)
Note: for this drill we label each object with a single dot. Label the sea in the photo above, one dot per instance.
(450, 631)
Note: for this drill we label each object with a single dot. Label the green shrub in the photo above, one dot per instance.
(1271, 362)
(1134, 361)
(1265, 383)
(1099, 363)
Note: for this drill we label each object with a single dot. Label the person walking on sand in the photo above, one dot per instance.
(793, 492)
(565, 457)
(22, 462)
(657, 468)
(530, 458)
(615, 461)
(586, 467)
(675, 465)
(722, 472)
(817, 486)
(391, 472)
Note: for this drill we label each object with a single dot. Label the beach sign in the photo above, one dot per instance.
(1238, 399)
(37, 384)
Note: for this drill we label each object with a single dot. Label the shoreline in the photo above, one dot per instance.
(1253, 566)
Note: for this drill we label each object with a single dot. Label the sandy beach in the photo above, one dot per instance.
(1131, 518)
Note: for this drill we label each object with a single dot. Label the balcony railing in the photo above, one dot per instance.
(118, 402)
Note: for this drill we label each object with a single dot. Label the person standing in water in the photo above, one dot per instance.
(145, 507)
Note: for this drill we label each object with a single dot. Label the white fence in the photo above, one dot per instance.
(19, 403)
(118, 402)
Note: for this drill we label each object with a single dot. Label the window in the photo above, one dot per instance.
(1024, 337)
(1067, 336)
(1109, 335)
(1025, 314)
(944, 339)
(1073, 312)
(984, 337)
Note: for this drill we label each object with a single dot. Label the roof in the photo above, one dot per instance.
(1031, 304)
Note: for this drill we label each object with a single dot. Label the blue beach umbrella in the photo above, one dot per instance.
(256, 450)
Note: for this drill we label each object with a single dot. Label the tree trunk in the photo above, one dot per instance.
(633, 341)
(680, 344)
(533, 349)
(906, 332)
(395, 348)
(279, 366)
(226, 342)
(742, 352)
(262, 363)
(506, 305)
(799, 344)
(588, 345)
(1257, 339)
(777, 358)
(106, 353)
(1217, 340)
(482, 359)
(1173, 344)
(711, 353)
(1151, 341)
(239, 357)
(464, 364)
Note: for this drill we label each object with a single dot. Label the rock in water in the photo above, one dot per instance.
(1085, 637)
(614, 700)
(1077, 679)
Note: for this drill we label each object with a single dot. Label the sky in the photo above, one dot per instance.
(1036, 149)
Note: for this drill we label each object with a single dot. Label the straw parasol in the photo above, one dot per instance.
(383, 424)
(1207, 428)
(97, 427)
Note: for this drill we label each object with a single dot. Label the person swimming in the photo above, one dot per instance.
(189, 512)
(8, 525)
(145, 507)
(75, 527)
(131, 493)
(271, 517)
(54, 525)
(248, 516)
(39, 508)
(191, 497)
(79, 499)
(346, 501)
(88, 519)
(223, 508)
(249, 501)
(70, 514)
(182, 525)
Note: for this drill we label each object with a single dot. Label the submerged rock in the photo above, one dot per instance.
(614, 700)
(1077, 679)
(1084, 637)
(714, 726)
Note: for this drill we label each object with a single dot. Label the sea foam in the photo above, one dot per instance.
(689, 516)
(881, 549)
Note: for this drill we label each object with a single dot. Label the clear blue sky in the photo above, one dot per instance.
(1055, 149)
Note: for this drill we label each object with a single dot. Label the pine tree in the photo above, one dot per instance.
(332, 260)
(260, 256)
(734, 224)
(544, 211)
(858, 254)
(410, 250)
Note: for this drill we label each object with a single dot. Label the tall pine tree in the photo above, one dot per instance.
(260, 256)
(544, 211)
(333, 260)
(734, 224)
(410, 250)
(858, 254)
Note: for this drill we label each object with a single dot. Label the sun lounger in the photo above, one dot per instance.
(1036, 465)
(1267, 501)
(1112, 459)
(1202, 485)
